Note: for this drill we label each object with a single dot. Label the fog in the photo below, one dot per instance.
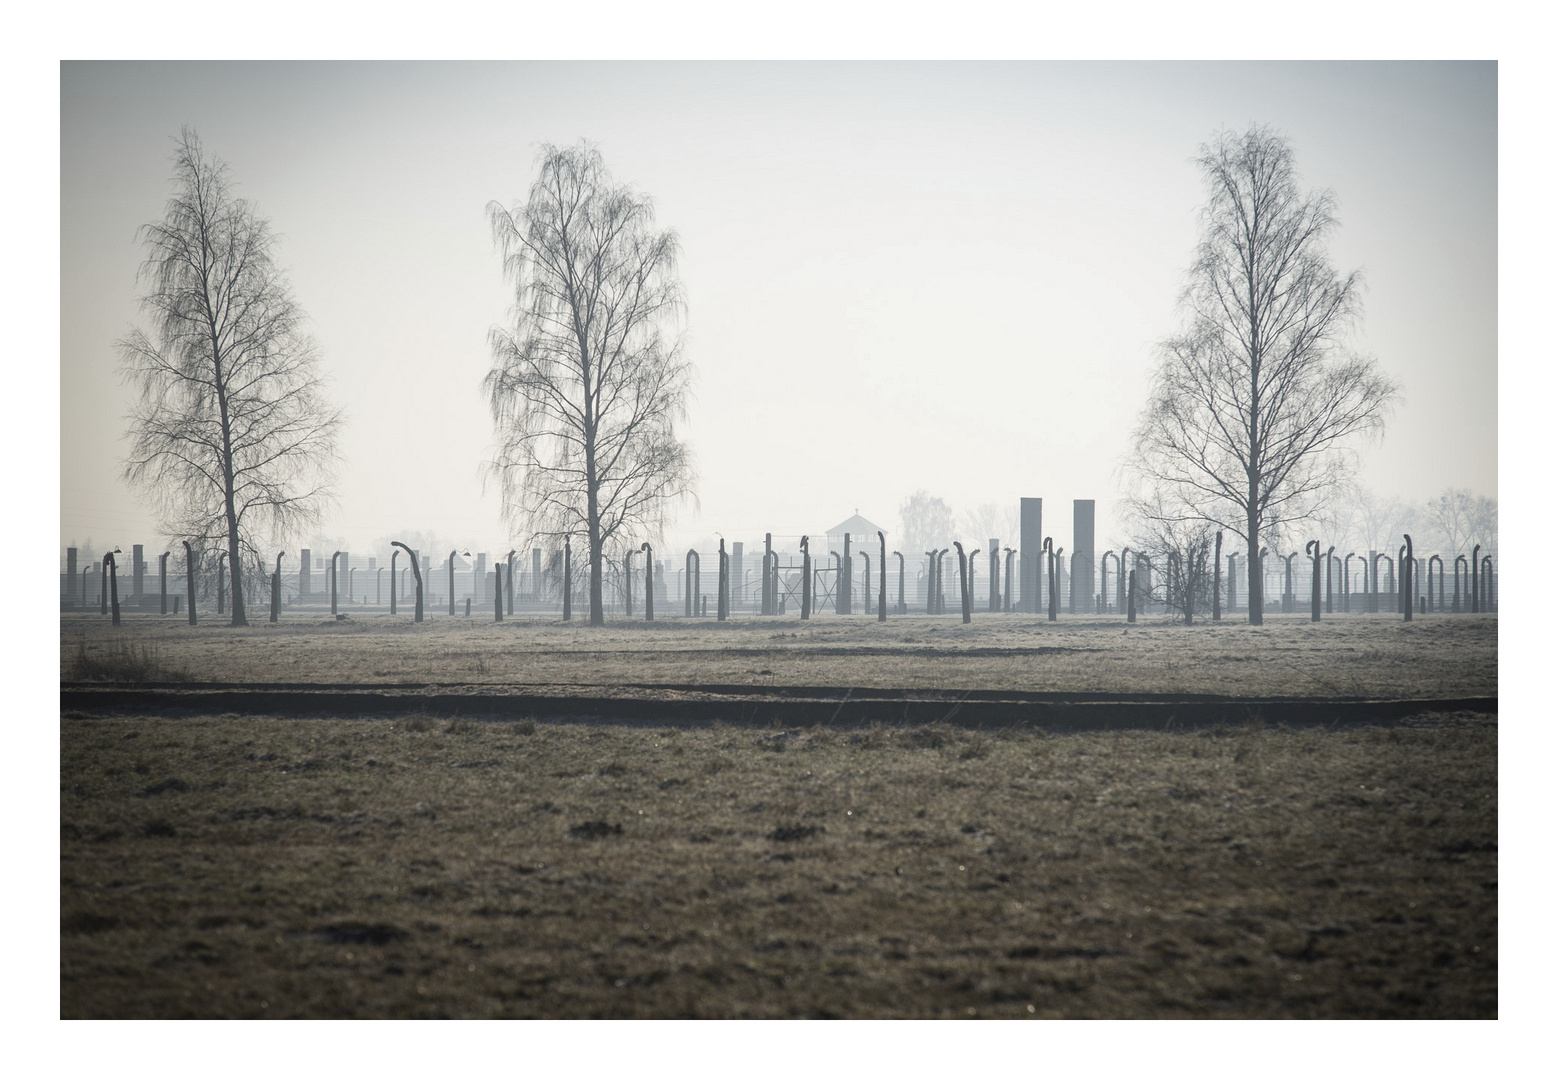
(943, 277)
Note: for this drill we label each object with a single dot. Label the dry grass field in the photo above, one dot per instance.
(1355, 655)
(421, 866)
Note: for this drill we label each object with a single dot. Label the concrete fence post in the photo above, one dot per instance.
(805, 578)
(1314, 601)
(649, 582)
(963, 580)
(275, 590)
(1408, 572)
(113, 584)
(189, 578)
(1217, 578)
(567, 579)
(722, 601)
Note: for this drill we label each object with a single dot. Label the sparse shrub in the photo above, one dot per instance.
(460, 727)
(122, 661)
(417, 722)
(527, 726)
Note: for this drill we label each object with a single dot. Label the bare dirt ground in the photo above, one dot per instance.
(416, 867)
(1353, 655)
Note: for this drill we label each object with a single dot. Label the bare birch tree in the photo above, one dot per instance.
(926, 522)
(589, 381)
(232, 435)
(1460, 519)
(1252, 406)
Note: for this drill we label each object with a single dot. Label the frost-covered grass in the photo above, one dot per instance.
(1378, 655)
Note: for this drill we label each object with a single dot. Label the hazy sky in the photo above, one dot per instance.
(946, 276)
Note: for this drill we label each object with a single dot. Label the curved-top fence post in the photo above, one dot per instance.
(1486, 592)
(881, 589)
(1006, 593)
(1314, 600)
(649, 582)
(1217, 578)
(1431, 560)
(275, 590)
(995, 575)
(769, 600)
(843, 585)
(973, 581)
(722, 603)
(865, 579)
(805, 578)
(1103, 580)
(508, 580)
(963, 578)
(1046, 574)
(1408, 572)
(112, 568)
(497, 591)
(416, 572)
(189, 581)
(394, 585)
(1475, 568)
(902, 608)
(1130, 594)
(1330, 556)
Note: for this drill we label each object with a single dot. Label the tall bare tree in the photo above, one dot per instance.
(232, 435)
(589, 381)
(927, 522)
(1460, 519)
(1253, 405)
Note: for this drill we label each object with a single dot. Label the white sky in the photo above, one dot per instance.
(945, 276)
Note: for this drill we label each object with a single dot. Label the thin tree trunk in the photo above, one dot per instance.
(1256, 591)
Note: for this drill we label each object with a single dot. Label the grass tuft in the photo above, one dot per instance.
(122, 661)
